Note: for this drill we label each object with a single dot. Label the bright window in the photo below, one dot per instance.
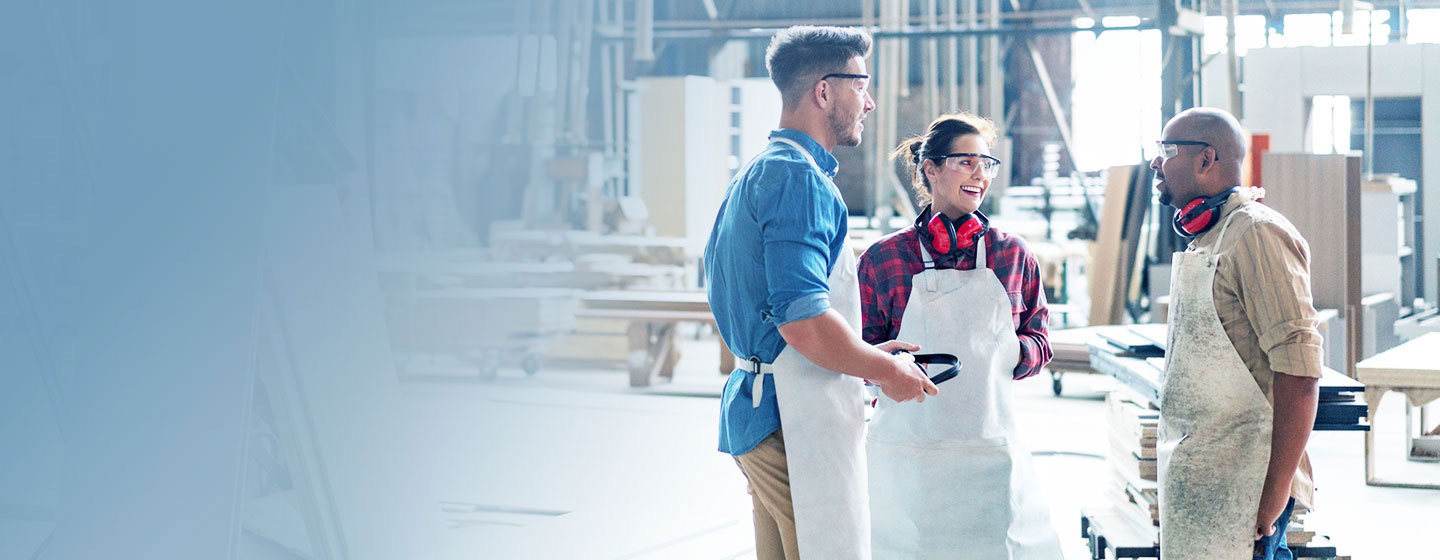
(1330, 124)
(1249, 34)
(1380, 26)
(1424, 26)
(1116, 100)
(1304, 30)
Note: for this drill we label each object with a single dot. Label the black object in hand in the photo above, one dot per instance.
(949, 361)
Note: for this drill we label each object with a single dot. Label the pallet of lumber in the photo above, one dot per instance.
(1140, 506)
(1071, 348)
(1133, 427)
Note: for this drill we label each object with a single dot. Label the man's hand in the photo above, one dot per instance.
(1270, 510)
(830, 342)
(890, 346)
(902, 380)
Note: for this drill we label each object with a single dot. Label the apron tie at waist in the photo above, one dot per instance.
(760, 370)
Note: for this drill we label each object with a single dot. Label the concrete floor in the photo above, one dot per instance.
(574, 464)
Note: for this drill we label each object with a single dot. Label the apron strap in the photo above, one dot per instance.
(757, 367)
(1226, 225)
(760, 369)
(980, 262)
(1212, 254)
(929, 265)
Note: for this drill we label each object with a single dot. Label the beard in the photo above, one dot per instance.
(1167, 198)
(843, 127)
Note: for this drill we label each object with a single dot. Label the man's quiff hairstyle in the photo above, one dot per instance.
(799, 56)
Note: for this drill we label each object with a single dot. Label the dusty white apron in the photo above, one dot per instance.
(823, 415)
(1214, 444)
(948, 479)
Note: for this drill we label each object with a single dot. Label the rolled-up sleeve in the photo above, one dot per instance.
(795, 212)
(1033, 323)
(1273, 273)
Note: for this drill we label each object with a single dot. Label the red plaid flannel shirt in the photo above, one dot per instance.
(886, 269)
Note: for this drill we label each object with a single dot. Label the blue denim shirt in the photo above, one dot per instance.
(780, 230)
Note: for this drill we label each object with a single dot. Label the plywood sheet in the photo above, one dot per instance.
(1320, 195)
(1106, 265)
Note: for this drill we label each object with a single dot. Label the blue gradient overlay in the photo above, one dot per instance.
(194, 359)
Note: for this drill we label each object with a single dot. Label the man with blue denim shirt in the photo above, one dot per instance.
(781, 282)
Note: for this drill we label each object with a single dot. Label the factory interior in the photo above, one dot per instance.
(489, 304)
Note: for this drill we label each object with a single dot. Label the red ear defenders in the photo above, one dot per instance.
(1200, 214)
(945, 237)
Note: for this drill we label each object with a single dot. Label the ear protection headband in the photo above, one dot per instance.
(945, 237)
(949, 365)
(1200, 214)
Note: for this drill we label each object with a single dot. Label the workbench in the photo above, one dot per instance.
(1412, 369)
(653, 316)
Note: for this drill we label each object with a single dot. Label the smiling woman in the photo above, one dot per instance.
(954, 285)
(951, 164)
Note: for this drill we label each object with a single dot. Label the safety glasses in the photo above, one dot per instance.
(966, 163)
(862, 81)
(1169, 148)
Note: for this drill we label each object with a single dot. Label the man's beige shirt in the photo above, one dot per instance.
(1262, 294)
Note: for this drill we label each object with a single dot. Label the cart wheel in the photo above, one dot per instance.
(530, 364)
(1055, 384)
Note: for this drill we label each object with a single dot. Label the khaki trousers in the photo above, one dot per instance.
(765, 468)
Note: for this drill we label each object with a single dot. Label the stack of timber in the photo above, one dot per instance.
(1133, 426)
(1071, 348)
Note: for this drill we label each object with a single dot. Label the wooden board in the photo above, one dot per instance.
(1073, 345)
(1106, 264)
(1413, 364)
(1320, 195)
(1156, 333)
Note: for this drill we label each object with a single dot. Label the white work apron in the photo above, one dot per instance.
(948, 478)
(1214, 444)
(823, 415)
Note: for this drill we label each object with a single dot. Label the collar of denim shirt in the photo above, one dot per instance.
(822, 156)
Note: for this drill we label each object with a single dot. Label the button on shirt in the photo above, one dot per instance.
(779, 232)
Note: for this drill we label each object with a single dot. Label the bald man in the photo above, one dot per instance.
(1243, 363)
